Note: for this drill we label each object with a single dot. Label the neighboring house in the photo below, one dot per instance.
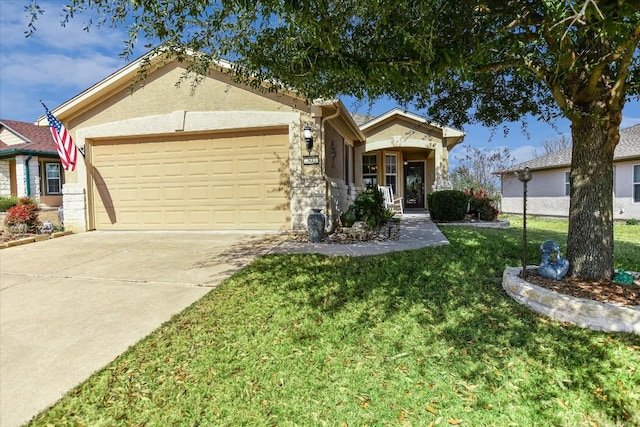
(227, 156)
(29, 163)
(548, 190)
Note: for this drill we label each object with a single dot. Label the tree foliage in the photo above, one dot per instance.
(477, 167)
(464, 61)
(549, 146)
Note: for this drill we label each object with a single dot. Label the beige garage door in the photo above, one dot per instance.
(213, 182)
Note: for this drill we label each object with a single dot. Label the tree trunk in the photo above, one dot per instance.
(590, 239)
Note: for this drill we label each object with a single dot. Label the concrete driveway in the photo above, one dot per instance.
(71, 305)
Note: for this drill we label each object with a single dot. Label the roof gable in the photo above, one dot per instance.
(17, 137)
(151, 63)
(398, 125)
(397, 113)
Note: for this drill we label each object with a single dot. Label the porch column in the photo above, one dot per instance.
(441, 181)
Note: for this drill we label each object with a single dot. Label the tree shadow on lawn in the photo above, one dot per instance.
(453, 294)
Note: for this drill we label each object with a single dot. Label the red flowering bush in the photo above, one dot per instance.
(481, 206)
(23, 217)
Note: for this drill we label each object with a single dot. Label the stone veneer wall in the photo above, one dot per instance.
(341, 197)
(74, 207)
(307, 192)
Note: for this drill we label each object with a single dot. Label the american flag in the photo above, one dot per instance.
(66, 148)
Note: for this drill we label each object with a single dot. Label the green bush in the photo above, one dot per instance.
(633, 221)
(448, 205)
(349, 217)
(7, 203)
(369, 207)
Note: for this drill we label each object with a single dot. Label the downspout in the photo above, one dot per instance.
(28, 174)
(330, 224)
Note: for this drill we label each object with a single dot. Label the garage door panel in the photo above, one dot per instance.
(207, 183)
(198, 168)
(222, 167)
(223, 192)
(198, 193)
(173, 170)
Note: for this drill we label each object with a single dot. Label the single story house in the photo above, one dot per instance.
(548, 190)
(162, 156)
(29, 163)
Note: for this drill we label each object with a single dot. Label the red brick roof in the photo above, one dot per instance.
(37, 138)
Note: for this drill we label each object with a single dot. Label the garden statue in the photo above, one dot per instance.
(47, 227)
(552, 265)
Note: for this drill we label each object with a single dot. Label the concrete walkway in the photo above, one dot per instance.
(416, 231)
(71, 305)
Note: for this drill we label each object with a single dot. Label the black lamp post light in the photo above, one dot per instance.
(524, 176)
(307, 133)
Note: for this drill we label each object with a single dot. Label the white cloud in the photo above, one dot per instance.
(50, 34)
(523, 153)
(58, 70)
(56, 63)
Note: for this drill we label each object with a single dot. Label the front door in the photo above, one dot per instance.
(414, 185)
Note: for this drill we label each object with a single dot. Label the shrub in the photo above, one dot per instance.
(483, 209)
(23, 217)
(448, 205)
(481, 206)
(369, 207)
(8, 202)
(349, 217)
(633, 221)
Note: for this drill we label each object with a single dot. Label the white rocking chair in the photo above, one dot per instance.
(389, 201)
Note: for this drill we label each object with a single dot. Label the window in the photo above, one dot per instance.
(391, 172)
(636, 183)
(53, 183)
(370, 170)
(567, 183)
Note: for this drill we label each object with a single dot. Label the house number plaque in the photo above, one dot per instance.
(310, 160)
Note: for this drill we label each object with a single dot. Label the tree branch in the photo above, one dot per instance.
(625, 54)
(622, 51)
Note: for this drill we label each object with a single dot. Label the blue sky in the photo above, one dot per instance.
(59, 62)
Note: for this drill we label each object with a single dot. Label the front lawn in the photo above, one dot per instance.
(425, 337)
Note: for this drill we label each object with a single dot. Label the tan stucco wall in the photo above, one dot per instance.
(159, 95)
(403, 129)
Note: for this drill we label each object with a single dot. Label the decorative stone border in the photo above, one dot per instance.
(34, 238)
(597, 316)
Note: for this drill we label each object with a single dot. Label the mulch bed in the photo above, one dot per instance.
(606, 291)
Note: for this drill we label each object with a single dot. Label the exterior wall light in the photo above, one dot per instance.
(307, 133)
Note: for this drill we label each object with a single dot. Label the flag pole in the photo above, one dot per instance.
(81, 150)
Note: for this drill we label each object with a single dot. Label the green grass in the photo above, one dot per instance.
(626, 244)
(413, 338)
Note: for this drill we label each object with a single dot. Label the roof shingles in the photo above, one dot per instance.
(38, 138)
(628, 147)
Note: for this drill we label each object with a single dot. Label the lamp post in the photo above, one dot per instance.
(524, 176)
